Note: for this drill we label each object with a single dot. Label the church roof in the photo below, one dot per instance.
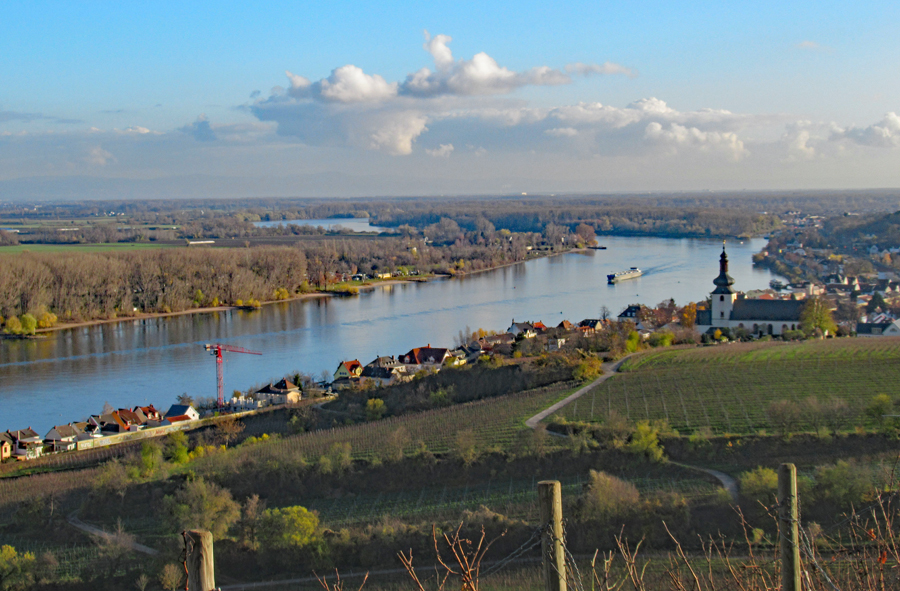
(768, 310)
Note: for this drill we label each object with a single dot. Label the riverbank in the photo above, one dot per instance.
(304, 296)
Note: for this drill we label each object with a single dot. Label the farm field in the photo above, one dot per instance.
(729, 388)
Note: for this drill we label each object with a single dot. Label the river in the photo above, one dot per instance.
(71, 374)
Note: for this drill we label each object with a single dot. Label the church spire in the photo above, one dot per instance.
(724, 281)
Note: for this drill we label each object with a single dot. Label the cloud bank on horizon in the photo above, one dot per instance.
(466, 115)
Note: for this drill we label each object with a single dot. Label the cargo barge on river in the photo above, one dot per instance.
(632, 273)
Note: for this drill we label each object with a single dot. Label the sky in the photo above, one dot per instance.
(206, 99)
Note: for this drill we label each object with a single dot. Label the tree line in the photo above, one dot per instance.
(85, 286)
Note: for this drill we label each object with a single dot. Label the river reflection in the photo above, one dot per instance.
(74, 372)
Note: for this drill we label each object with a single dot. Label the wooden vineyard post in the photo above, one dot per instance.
(789, 528)
(554, 557)
(198, 550)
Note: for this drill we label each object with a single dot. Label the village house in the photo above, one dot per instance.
(878, 329)
(347, 370)
(62, 438)
(283, 392)
(182, 412)
(524, 329)
(383, 371)
(26, 444)
(6, 446)
(424, 358)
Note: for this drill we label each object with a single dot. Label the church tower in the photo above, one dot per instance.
(722, 296)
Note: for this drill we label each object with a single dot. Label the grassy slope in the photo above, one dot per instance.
(730, 387)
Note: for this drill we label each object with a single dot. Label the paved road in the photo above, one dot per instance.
(96, 531)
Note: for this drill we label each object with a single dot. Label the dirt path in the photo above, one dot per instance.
(609, 369)
(96, 531)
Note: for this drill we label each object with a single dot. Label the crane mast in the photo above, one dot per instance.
(216, 350)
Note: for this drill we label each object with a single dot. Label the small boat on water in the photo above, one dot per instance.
(777, 285)
(632, 273)
(597, 247)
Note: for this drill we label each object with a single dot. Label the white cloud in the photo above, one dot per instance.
(99, 157)
(679, 136)
(443, 151)
(884, 134)
(135, 129)
(349, 84)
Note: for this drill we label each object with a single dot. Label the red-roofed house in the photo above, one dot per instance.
(424, 358)
(348, 369)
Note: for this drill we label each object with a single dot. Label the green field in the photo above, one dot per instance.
(117, 246)
(729, 388)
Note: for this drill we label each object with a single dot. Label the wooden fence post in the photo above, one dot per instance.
(554, 557)
(200, 565)
(789, 528)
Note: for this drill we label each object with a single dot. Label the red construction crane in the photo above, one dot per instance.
(216, 350)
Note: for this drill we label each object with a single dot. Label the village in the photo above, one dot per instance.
(863, 308)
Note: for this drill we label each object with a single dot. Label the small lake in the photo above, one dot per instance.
(330, 224)
(71, 374)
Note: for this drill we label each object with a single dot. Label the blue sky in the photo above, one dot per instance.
(193, 98)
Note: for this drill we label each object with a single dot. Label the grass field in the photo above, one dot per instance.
(729, 388)
(118, 247)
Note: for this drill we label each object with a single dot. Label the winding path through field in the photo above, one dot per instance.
(610, 368)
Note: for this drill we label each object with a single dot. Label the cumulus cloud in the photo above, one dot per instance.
(136, 129)
(443, 151)
(884, 134)
(678, 135)
(355, 108)
(481, 75)
(200, 129)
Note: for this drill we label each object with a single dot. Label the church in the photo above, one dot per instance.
(730, 309)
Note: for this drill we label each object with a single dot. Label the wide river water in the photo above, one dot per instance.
(73, 372)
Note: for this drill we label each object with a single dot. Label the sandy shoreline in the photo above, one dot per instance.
(305, 296)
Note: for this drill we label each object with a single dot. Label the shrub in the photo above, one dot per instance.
(844, 483)
(466, 447)
(661, 339)
(645, 441)
(759, 485)
(374, 409)
(607, 496)
(288, 528)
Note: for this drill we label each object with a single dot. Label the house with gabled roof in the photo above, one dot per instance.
(26, 443)
(348, 369)
(424, 358)
(524, 329)
(182, 412)
(878, 329)
(282, 392)
(62, 438)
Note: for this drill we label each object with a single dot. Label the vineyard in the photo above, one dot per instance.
(729, 388)
(495, 424)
